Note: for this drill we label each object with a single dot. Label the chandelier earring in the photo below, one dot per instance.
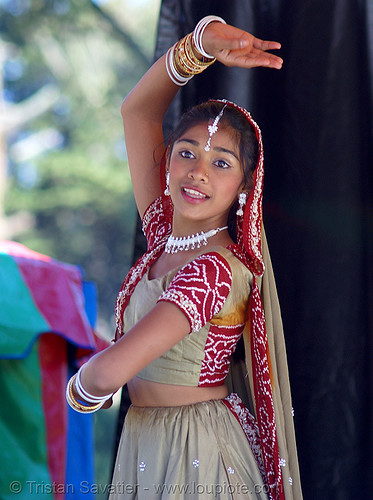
(167, 190)
(241, 203)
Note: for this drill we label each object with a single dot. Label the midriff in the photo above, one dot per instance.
(146, 393)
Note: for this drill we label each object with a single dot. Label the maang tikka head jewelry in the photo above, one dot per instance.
(213, 128)
(167, 190)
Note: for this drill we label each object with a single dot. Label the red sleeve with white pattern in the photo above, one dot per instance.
(200, 288)
(156, 223)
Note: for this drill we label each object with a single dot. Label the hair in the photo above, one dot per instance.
(234, 120)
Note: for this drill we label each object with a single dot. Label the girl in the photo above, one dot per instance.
(194, 294)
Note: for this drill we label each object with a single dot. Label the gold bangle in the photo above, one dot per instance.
(182, 63)
(180, 67)
(187, 59)
(195, 55)
(74, 403)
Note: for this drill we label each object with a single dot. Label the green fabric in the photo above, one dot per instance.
(20, 320)
(23, 450)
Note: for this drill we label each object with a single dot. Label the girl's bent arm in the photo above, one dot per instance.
(155, 334)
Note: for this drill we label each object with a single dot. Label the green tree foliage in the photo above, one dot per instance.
(67, 64)
(67, 165)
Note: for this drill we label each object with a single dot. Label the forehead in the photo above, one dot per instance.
(225, 135)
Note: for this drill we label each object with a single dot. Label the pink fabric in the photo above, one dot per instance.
(53, 365)
(56, 289)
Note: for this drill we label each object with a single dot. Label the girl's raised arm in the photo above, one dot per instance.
(142, 112)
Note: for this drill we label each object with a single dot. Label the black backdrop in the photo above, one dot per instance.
(316, 116)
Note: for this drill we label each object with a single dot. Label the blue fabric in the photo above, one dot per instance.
(90, 299)
(80, 456)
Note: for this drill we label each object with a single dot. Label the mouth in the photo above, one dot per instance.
(194, 193)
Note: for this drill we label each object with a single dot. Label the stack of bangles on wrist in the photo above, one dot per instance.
(187, 57)
(87, 403)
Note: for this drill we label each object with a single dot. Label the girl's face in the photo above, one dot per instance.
(205, 184)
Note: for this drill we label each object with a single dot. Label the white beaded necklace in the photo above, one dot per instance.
(185, 243)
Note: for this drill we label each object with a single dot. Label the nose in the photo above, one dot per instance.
(199, 172)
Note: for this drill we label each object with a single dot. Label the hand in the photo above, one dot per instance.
(234, 47)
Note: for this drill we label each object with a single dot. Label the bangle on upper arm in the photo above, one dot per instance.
(187, 57)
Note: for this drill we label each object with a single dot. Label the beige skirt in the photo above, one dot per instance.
(205, 450)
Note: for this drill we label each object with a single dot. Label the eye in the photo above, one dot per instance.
(185, 153)
(222, 164)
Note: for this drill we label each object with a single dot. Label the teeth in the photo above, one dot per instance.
(195, 194)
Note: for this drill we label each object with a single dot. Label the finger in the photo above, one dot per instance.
(252, 59)
(264, 60)
(234, 44)
(265, 44)
(257, 43)
(259, 55)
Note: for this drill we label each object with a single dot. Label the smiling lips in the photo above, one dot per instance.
(193, 193)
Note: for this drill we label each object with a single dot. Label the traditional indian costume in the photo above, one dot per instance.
(244, 445)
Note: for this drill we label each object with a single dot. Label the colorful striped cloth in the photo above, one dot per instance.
(47, 315)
